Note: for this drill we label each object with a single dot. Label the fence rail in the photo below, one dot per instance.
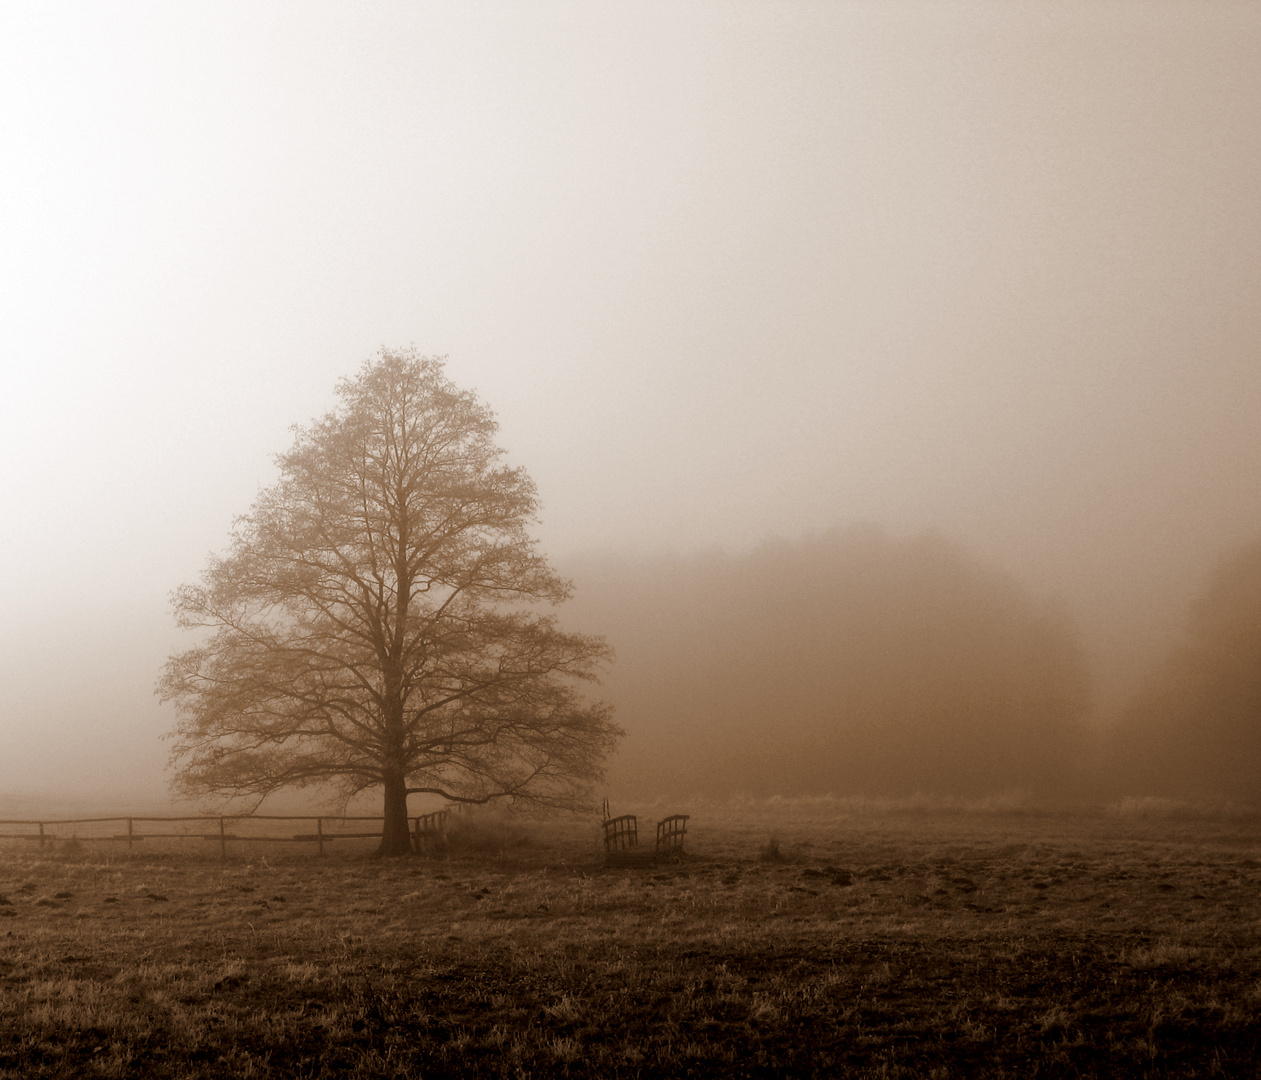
(225, 828)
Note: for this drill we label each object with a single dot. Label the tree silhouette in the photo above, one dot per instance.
(377, 620)
(1194, 729)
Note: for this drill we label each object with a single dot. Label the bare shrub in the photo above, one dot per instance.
(485, 834)
(771, 852)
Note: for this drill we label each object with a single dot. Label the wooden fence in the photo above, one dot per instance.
(224, 828)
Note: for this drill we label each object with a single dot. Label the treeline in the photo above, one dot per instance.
(1193, 731)
(852, 662)
(860, 663)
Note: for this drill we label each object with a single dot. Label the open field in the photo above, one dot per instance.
(868, 944)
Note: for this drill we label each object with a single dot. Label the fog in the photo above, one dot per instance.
(849, 663)
(980, 279)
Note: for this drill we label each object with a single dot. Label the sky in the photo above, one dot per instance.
(725, 271)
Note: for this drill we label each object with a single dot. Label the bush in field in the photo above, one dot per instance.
(770, 851)
(485, 833)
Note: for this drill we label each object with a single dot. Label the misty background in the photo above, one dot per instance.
(889, 371)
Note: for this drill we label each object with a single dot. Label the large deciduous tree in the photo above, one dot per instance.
(380, 620)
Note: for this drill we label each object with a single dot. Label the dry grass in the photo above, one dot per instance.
(875, 944)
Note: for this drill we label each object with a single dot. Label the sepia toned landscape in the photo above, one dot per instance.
(809, 938)
(701, 539)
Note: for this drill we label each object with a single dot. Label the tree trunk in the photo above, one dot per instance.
(395, 838)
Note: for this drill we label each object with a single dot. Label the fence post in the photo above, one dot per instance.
(223, 841)
(319, 836)
(41, 834)
(129, 834)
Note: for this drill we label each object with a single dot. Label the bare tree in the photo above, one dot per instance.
(378, 620)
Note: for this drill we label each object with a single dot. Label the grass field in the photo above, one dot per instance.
(865, 944)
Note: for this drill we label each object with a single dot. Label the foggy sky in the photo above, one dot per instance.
(725, 271)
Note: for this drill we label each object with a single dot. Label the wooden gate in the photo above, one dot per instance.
(621, 839)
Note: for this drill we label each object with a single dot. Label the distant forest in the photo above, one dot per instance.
(857, 663)
(1194, 729)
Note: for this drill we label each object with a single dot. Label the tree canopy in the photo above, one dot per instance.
(1194, 728)
(853, 662)
(381, 620)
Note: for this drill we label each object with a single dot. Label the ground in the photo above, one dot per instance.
(793, 939)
